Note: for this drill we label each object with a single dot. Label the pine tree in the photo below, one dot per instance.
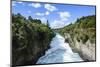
(48, 24)
(30, 18)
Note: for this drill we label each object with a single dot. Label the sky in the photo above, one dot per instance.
(58, 15)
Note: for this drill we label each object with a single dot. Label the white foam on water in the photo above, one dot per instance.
(59, 52)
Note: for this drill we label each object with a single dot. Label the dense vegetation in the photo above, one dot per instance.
(81, 36)
(83, 29)
(30, 39)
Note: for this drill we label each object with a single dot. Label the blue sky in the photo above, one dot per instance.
(58, 15)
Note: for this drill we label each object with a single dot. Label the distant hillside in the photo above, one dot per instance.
(84, 28)
(30, 39)
(82, 36)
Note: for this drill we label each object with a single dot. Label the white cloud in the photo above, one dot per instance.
(35, 5)
(40, 14)
(50, 7)
(64, 15)
(57, 24)
(47, 13)
(20, 2)
(13, 3)
(63, 20)
(43, 14)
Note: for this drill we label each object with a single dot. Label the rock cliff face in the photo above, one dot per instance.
(86, 51)
(30, 40)
(81, 36)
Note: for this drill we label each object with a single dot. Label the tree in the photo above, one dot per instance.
(48, 24)
(30, 19)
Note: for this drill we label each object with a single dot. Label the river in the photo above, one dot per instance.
(59, 52)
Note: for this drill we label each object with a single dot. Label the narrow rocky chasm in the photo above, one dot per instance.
(59, 52)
